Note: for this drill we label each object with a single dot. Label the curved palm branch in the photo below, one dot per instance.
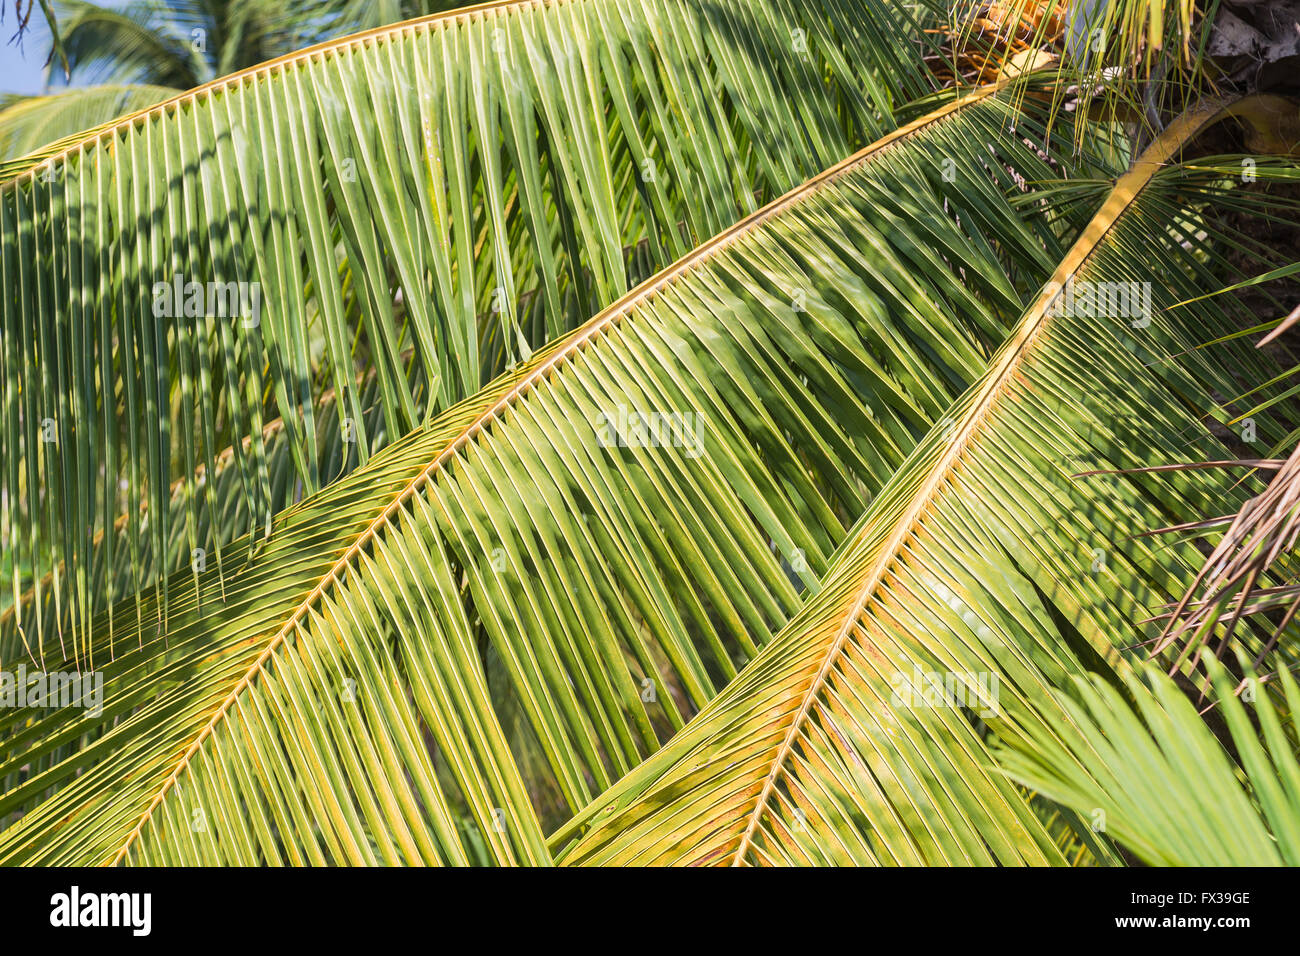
(983, 577)
(593, 544)
(433, 200)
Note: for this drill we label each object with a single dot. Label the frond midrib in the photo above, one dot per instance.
(510, 389)
(1126, 190)
(325, 48)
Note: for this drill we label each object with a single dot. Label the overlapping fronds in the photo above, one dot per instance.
(1248, 577)
(1245, 578)
(595, 543)
(112, 570)
(1140, 61)
(430, 200)
(1147, 770)
(985, 576)
(28, 123)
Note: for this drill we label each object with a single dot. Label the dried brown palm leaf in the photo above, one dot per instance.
(1235, 580)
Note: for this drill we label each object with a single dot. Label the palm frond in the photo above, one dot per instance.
(595, 543)
(1239, 577)
(222, 509)
(983, 577)
(28, 123)
(1144, 767)
(433, 199)
(122, 43)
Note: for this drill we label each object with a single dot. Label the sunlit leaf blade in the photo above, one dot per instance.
(984, 576)
(430, 201)
(595, 543)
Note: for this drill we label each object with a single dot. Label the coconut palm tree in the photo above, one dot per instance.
(650, 431)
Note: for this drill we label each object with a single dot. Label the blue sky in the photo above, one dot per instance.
(22, 69)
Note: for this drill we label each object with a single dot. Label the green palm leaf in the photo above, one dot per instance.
(1155, 777)
(532, 575)
(28, 123)
(432, 200)
(222, 509)
(984, 563)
